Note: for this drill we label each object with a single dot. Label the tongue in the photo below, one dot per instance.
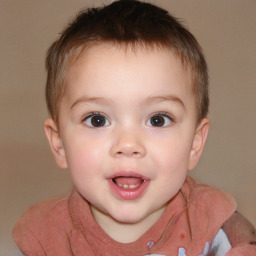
(128, 180)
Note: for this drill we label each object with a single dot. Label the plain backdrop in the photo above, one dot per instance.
(28, 174)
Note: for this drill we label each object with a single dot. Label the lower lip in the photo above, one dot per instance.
(129, 194)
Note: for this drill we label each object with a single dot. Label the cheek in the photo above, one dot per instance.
(84, 167)
(172, 153)
(83, 156)
(172, 163)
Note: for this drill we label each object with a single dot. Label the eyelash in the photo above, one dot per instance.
(106, 120)
(93, 114)
(163, 114)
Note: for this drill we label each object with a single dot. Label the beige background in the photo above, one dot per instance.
(28, 174)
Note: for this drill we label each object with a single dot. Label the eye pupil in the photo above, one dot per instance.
(98, 121)
(157, 121)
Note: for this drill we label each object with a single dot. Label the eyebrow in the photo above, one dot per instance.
(149, 100)
(175, 99)
(86, 99)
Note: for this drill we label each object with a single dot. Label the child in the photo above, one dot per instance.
(128, 101)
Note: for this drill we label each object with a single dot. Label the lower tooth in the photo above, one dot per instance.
(125, 186)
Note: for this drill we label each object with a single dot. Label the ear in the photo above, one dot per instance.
(53, 136)
(198, 143)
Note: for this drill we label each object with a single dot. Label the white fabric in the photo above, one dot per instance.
(220, 245)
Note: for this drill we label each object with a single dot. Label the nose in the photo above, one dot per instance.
(128, 143)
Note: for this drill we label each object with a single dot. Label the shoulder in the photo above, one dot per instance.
(41, 222)
(43, 213)
(207, 208)
(219, 205)
(202, 193)
(210, 202)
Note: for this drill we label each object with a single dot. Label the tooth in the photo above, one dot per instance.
(126, 186)
(119, 185)
(133, 186)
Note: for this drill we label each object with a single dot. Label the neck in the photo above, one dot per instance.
(126, 232)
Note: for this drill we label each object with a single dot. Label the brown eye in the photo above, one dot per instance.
(97, 120)
(159, 120)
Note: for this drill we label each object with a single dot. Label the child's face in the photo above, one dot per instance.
(127, 130)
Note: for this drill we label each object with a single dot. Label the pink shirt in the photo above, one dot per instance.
(65, 226)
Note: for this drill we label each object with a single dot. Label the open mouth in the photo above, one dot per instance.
(128, 186)
(128, 182)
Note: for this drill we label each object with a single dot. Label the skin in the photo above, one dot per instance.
(130, 90)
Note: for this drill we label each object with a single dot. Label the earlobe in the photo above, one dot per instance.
(199, 142)
(53, 136)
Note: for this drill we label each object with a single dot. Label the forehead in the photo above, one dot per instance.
(126, 70)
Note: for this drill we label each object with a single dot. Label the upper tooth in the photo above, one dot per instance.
(126, 186)
(134, 186)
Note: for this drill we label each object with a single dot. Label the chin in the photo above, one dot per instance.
(128, 217)
(128, 220)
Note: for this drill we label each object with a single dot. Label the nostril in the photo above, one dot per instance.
(127, 153)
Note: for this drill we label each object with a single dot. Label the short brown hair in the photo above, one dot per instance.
(127, 22)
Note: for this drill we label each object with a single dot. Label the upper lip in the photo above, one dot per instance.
(128, 174)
